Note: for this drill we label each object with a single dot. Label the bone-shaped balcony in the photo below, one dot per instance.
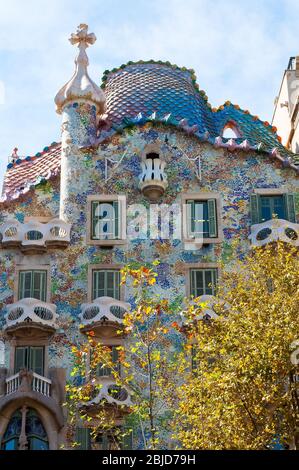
(33, 314)
(153, 180)
(206, 309)
(108, 392)
(33, 236)
(104, 316)
(273, 230)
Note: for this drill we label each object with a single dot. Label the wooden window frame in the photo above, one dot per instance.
(122, 218)
(202, 196)
(32, 267)
(102, 267)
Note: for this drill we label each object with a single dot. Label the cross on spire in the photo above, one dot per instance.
(82, 37)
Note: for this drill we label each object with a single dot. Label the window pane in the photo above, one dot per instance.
(36, 362)
(203, 282)
(198, 219)
(21, 358)
(105, 220)
(272, 206)
(106, 283)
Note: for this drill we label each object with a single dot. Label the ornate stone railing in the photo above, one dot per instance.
(25, 381)
(31, 311)
(153, 180)
(35, 235)
(111, 393)
(273, 230)
(103, 309)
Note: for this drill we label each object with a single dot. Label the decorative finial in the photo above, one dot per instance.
(14, 156)
(80, 85)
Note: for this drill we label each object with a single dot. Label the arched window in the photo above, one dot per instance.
(25, 431)
(230, 131)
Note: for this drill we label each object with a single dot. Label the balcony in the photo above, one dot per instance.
(273, 230)
(27, 386)
(25, 381)
(104, 316)
(207, 311)
(111, 394)
(38, 315)
(35, 237)
(153, 180)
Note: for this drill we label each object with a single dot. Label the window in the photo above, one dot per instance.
(266, 207)
(106, 371)
(106, 283)
(33, 284)
(231, 131)
(113, 439)
(30, 358)
(83, 439)
(203, 282)
(201, 218)
(105, 220)
(36, 436)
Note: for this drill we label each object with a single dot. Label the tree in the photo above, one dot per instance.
(243, 392)
(147, 369)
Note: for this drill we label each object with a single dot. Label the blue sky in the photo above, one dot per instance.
(238, 48)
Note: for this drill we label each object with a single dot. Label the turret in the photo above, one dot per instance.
(81, 102)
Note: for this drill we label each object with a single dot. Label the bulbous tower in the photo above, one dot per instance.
(81, 102)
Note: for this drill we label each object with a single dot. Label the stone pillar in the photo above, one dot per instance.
(3, 375)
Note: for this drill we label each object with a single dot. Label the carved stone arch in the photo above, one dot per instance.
(51, 416)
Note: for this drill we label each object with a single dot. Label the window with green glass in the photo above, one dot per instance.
(203, 282)
(104, 371)
(106, 283)
(202, 219)
(30, 358)
(105, 220)
(33, 284)
(266, 207)
(83, 439)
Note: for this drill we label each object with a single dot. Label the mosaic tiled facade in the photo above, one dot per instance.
(147, 105)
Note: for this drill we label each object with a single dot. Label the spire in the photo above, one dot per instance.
(80, 86)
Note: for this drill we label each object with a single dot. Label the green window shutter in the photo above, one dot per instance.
(39, 285)
(94, 220)
(289, 201)
(110, 283)
(99, 284)
(190, 217)
(212, 218)
(83, 439)
(127, 443)
(36, 359)
(25, 284)
(21, 358)
(255, 209)
(116, 219)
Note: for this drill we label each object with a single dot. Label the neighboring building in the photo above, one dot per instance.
(147, 136)
(286, 116)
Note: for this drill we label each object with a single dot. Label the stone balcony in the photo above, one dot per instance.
(104, 316)
(35, 237)
(27, 386)
(153, 180)
(111, 394)
(39, 316)
(207, 311)
(273, 230)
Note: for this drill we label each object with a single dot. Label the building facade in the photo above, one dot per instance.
(146, 142)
